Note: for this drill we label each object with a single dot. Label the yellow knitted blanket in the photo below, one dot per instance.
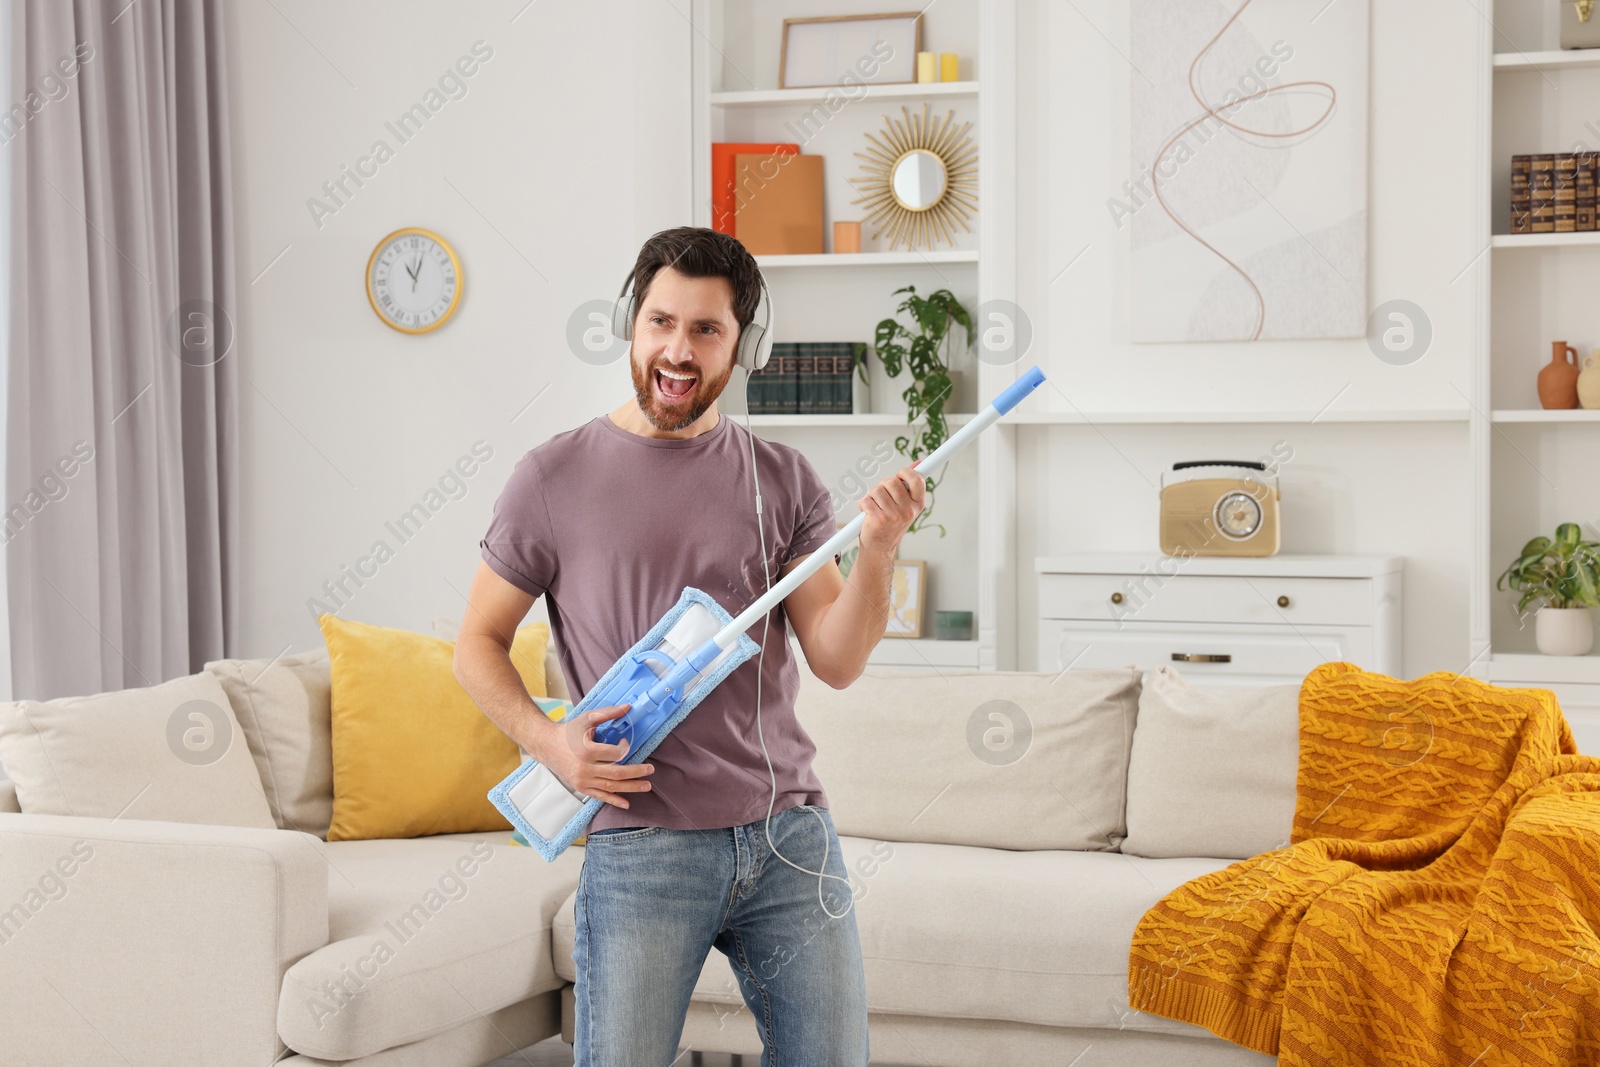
(1439, 901)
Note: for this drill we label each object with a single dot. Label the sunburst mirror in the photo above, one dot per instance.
(921, 179)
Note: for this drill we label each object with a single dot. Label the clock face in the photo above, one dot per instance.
(413, 280)
(1238, 515)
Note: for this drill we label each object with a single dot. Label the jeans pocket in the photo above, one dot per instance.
(623, 833)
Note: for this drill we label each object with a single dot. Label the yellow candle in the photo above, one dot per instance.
(926, 71)
(949, 67)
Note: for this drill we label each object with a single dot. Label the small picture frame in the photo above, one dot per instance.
(848, 49)
(907, 593)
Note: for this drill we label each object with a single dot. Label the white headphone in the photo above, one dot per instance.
(755, 340)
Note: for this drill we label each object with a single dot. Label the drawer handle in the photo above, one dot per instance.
(1116, 598)
(1202, 657)
(1283, 602)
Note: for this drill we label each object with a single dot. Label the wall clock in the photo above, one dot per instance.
(414, 280)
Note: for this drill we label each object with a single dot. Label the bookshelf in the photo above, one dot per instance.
(1532, 468)
(832, 297)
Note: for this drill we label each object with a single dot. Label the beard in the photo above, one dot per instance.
(678, 416)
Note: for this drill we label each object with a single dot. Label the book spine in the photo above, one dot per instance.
(789, 376)
(806, 380)
(840, 392)
(1584, 184)
(1521, 200)
(1541, 189)
(760, 383)
(1566, 193)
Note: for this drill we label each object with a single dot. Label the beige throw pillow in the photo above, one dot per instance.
(1213, 769)
(283, 705)
(1005, 759)
(173, 751)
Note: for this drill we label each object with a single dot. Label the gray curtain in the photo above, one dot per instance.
(122, 511)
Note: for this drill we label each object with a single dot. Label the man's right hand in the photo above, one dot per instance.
(586, 766)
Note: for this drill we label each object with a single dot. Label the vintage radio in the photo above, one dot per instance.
(1219, 516)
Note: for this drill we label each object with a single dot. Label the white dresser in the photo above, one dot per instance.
(1218, 620)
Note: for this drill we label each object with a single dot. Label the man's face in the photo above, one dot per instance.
(685, 326)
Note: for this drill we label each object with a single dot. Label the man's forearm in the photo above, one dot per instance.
(852, 627)
(485, 671)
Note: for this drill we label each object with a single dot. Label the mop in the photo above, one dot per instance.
(672, 668)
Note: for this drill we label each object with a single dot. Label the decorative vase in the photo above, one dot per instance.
(1564, 631)
(1589, 381)
(1558, 381)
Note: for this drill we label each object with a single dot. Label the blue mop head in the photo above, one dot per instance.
(500, 795)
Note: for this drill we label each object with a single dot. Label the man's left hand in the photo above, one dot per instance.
(890, 509)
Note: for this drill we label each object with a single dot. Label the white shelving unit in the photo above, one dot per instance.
(734, 97)
(1532, 468)
(764, 97)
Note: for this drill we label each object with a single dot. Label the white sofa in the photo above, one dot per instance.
(980, 814)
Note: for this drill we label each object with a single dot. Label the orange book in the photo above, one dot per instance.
(779, 204)
(723, 199)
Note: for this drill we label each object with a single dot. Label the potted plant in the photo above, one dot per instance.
(1564, 573)
(923, 346)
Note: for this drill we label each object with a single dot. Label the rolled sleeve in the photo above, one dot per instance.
(520, 543)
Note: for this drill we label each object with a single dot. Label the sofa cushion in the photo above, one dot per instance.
(1008, 759)
(173, 752)
(423, 934)
(412, 754)
(1213, 770)
(981, 933)
(282, 705)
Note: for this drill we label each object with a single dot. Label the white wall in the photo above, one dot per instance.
(570, 146)
(565, 153)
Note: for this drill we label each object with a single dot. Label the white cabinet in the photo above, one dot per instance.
(1570, 678)
(1219, 621)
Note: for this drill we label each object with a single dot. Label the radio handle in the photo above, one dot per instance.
(1219, 463)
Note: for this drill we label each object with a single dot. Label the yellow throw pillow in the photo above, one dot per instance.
(412, 753)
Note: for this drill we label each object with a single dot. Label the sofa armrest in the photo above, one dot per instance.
(151, 942)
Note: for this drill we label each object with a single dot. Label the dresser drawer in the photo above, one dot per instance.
(1206, 598)
(1233, 654)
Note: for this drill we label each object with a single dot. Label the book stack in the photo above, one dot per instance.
(1553, 193)
(807, 378)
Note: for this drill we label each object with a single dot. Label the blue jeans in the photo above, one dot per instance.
(653, 901)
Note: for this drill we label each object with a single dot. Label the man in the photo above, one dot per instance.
(612, 521)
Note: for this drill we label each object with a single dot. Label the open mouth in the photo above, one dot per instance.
(673, 388)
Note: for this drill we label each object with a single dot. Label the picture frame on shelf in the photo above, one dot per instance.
(907, 595)
(832, 50)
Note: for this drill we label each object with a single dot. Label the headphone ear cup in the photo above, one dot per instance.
(752, 357)
(622, 317)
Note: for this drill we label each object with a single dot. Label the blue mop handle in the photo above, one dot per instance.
(838, 542)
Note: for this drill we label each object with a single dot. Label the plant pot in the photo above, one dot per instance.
(1564, 631)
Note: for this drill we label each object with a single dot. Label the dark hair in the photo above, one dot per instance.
(699, 252)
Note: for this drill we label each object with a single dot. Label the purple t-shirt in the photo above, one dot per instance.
(611, 526)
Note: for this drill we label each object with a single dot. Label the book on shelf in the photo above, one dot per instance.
(807, 378)
(1541, 193)
(1554, 192)
(1584, 186)
(1566, 193)
(1521, 196)
(724, 181)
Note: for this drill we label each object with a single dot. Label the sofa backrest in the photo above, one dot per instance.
(1212, 771)
(1081, 759)
(1006, 759)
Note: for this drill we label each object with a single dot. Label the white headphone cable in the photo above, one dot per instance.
(766, 625)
